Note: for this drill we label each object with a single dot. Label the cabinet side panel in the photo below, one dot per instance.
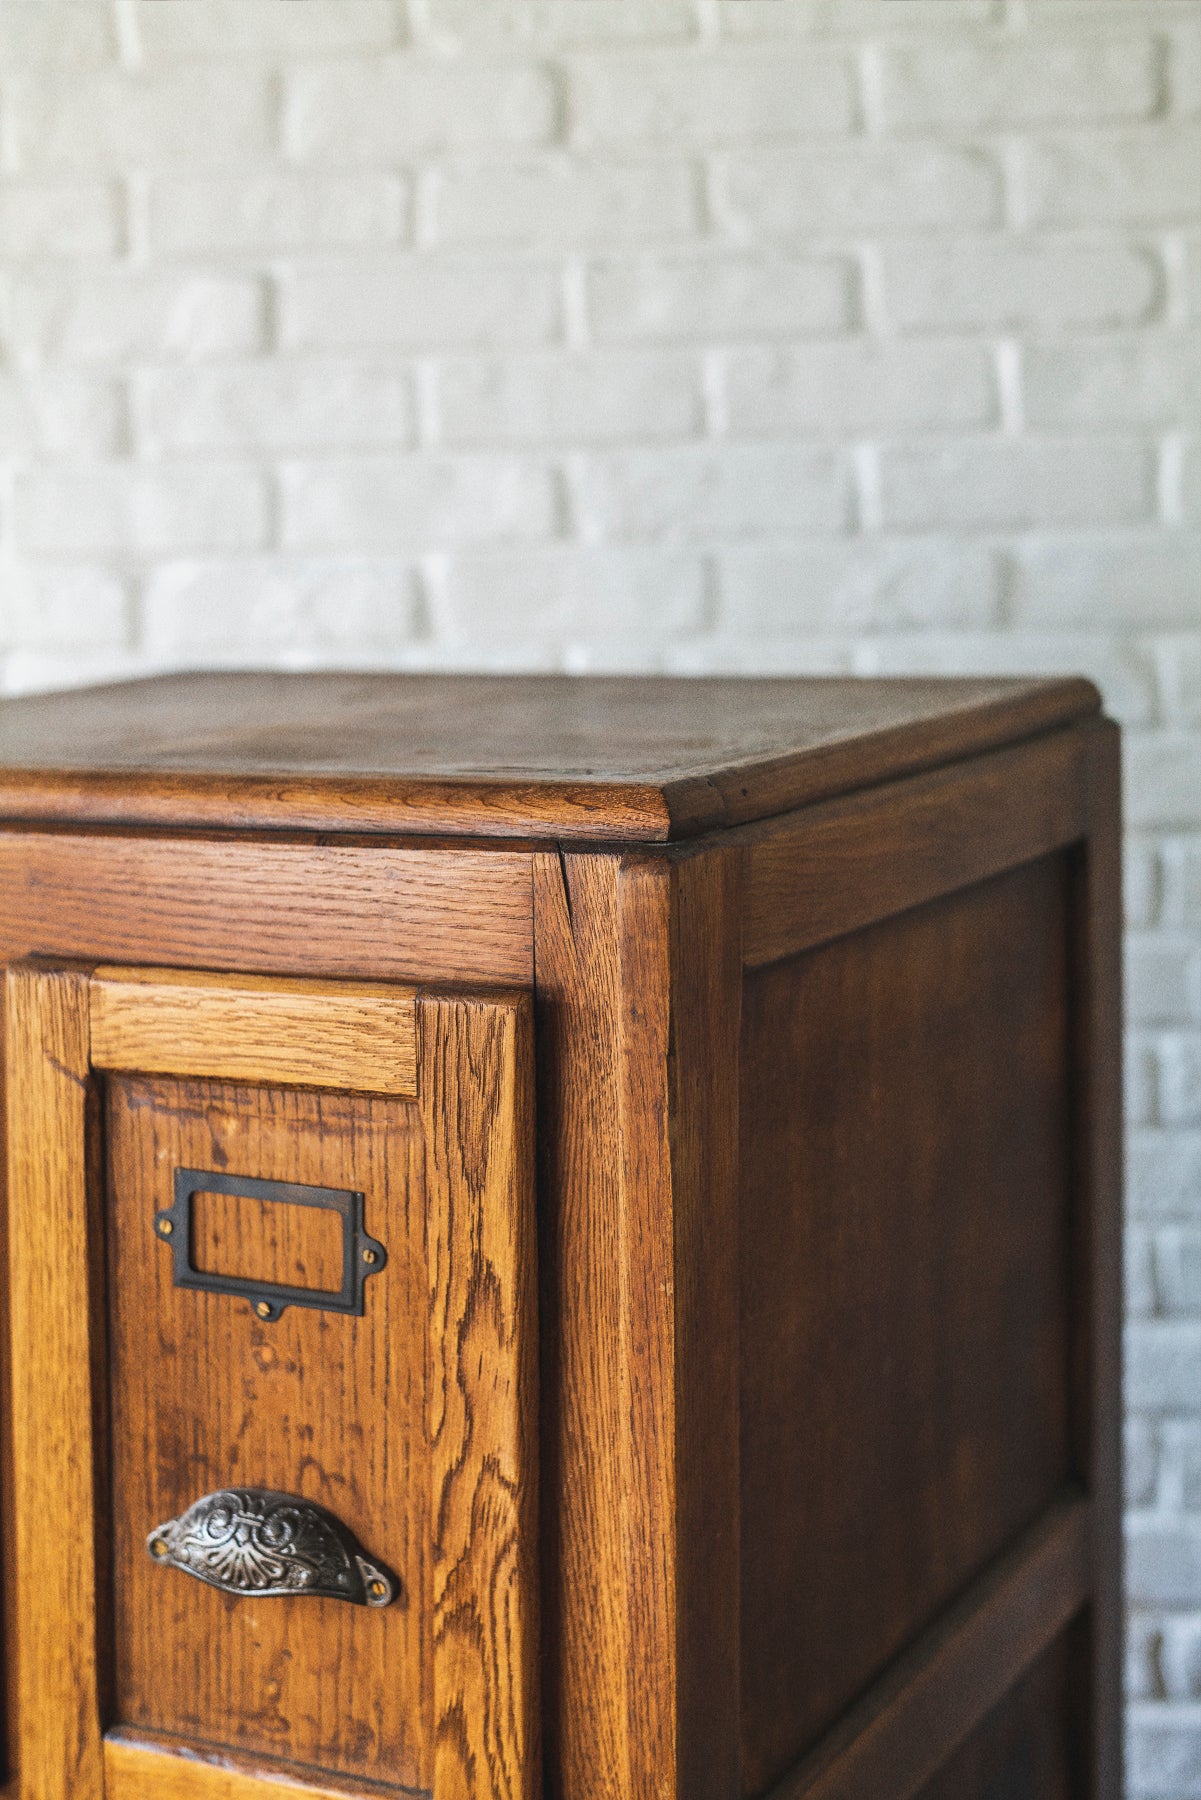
(1022, 1750)
(905, 1138)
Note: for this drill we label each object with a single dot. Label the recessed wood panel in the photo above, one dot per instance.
(905, 1119)
(320, 1404)
(1022, 1750)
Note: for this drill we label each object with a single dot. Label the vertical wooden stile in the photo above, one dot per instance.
(475, 1076)
(53, 1245)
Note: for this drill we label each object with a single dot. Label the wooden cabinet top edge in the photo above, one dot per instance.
(588, 760)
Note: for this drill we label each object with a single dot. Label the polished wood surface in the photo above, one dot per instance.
(138, 1764)
(205, 1396)
(833, 868)
(558, 757)
(481, 1403)
(55, 1253)
(360, 1036)
(274, 908)
(915, 1721)
(897, 944)
(905, 1257)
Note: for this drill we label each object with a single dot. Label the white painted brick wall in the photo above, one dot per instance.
(758, 335)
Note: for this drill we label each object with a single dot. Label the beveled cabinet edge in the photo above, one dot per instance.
(360, 1037)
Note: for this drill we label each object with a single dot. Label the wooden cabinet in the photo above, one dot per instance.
(562, 1237)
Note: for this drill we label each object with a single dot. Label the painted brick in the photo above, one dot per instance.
(1163, 1752)
(31, 31)
(1150, 380)
(619, 605)
(59, 414)
(1139, 1273)
(1181, 859)
(1180, 1658)
(118, 508)
(276, 604)
(1161, 768)
(1012, 482)
(76, 604)
(109, 119)
(1163, 1173)
(584, 398)
(1140, 881)
(1178, 671)
(696, 298)
(465, 24)
(416, 303)
(711, 493)
(559, 203)
(1184, 68)
(1190, 481)
(1163, 978)
(836, 389)
(1180, 1078)
(1162, 1358)
(412, 502)
(1117, 671)
(226, 28)
(51, 219)
(805, 18)
(1178, 1271)
(674, 98)
(1135, 578)
(267, 212)
(985, 82)
(771, 592)
(1143, 1639)
(1181, 1463)
(114, 316)
(857, 187)
(942, 283)
(1140, 1460)
(274, 406)
(393, 106)
(1148, 175)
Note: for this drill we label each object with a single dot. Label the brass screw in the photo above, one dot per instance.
(166, 1226)
(263, 1310)
(369, 1256)
(158, 1548)
(377, 1590)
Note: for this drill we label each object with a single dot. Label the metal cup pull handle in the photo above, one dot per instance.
(254, 1541)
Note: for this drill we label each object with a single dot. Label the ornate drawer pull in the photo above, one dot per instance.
(255, 1541)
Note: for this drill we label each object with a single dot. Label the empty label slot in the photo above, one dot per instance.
(267, 1240)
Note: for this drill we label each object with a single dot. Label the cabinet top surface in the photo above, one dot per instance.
(612, 758)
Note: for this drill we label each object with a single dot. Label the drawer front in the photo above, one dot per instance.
(274, 1342)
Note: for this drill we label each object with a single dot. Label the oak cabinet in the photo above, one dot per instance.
(562, 1237)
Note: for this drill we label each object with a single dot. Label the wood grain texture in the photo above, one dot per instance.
(907, 1727)
(359, 1037)
(342, 910)
(476, 1082)
(549, 757)
(706, 998)
(325, 1405)
(151, 1766)
(1097, 1205)
(57, 1443)
(1022, 1750)
(849, 863)
(638, 982)
(906, 1303)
